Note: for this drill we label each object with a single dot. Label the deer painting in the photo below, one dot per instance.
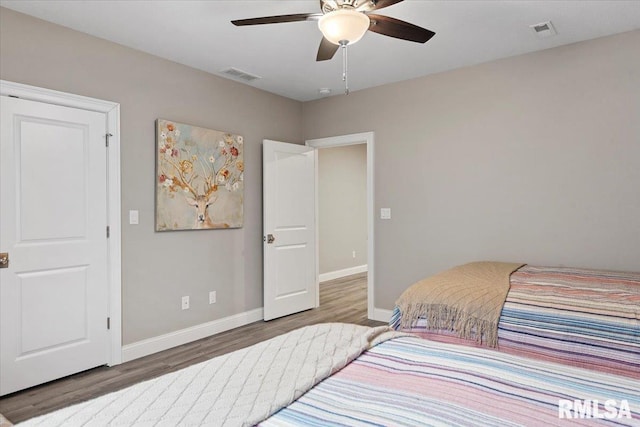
(200, 177)
(201, 203)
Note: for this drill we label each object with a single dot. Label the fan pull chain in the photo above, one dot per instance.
(345, 70)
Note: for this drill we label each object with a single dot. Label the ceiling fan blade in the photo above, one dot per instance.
(326, 50)
(399, 29)
(277, 19)
(370, 5)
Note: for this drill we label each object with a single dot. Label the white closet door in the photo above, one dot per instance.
(53, 218)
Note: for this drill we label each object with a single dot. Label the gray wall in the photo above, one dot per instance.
(158, 268)
(342, 199)
(534, 158)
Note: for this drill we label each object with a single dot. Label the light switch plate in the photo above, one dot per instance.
(133, 217)
(385, 213)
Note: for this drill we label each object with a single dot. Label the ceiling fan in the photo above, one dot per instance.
(344, 22)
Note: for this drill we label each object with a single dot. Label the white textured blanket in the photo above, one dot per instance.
(237, 389)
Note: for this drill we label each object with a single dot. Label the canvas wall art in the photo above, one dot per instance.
(199, 178)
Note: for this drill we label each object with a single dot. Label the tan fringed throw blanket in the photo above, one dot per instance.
(466, 299)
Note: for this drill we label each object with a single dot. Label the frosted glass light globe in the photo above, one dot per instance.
(344, 25)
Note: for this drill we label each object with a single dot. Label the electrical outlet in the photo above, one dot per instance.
(212, 297)
(353, 254)
(185, 303)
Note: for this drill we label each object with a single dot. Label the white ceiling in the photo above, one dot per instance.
(199, 34)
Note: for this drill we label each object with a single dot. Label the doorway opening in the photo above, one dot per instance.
(349, 196)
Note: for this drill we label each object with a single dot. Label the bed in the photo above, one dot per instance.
(342, 374)
(410, 381)
(573, 316)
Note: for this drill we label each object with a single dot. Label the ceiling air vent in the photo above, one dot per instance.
(543, 29)
(240, 75)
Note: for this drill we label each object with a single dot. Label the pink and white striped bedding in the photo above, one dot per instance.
(410, 381)
(578, 317)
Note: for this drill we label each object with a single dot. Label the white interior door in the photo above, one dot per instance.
(53, 217)
(290, 283)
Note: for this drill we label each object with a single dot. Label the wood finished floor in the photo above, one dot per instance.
(341, 300)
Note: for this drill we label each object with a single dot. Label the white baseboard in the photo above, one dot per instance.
(342, 273)
(153, 345)
(382, 315)
(187, 335)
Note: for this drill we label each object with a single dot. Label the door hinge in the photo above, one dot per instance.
(108, 231)
(106, 137)
(108, 322)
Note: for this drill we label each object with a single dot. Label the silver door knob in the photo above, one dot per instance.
(270, 238)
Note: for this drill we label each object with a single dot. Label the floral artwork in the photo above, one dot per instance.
(199, 178)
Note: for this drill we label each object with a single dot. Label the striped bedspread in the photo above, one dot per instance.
(579, 317)
(410, 381)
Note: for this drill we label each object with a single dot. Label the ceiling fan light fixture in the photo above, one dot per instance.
(344, 25)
